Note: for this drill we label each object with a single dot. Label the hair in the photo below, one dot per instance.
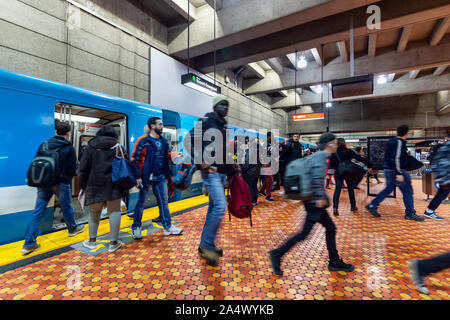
(402, 130)
(62, 128)
(341, 142)
(152, 121)
(296, 134)
(107, 131)
(358, 149)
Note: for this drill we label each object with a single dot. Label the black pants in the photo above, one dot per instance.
(440, 196)
(253, 185)
(325, 220)
(337, 192)
(434, 265)
(277, 180)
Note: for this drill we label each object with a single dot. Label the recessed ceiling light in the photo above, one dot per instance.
(302, 63)
(381, 79)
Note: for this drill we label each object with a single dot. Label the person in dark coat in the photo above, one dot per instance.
(294, 149)
(95, 176)
(343, 154)
(250, 170)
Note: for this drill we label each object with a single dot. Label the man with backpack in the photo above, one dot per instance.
(316, 209)
(150, 165)
(51, 171)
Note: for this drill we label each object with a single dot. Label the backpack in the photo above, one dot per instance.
(183, 175)
(45, 169)
(239, 199)
(298, 180)
(441, 166)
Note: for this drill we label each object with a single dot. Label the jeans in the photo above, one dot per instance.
(434, 265)
(64, 194)
(405, 188)
(438, 198)
(337, 192)
(215, 185)
(330, 232)
(253, 185)
(160, 191)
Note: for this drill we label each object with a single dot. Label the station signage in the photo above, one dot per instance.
(195, 82)
(308, 116)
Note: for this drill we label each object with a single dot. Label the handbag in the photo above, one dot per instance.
(122, 174)
(413, 164)
(350, 172)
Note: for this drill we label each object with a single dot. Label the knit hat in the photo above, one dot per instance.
(325, 138)
(218, 99)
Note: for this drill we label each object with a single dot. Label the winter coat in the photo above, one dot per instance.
(396, 155)
(441, 165)
(345, 155)
(251, 170)
(293, 151)
(95, 174)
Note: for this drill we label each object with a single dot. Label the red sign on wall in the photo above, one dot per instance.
(308, 116)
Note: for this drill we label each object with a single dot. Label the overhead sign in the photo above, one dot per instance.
(202, 85)
(308, 116)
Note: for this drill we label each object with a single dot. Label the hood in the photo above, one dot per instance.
(215, 116)
(57, 142)
(103, 142)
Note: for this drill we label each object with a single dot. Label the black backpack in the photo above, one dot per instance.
(45, 169)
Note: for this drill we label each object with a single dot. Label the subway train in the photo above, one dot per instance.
(29, 107)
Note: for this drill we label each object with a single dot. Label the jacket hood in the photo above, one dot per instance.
(215, 116)
(57, 142)
(103, 142)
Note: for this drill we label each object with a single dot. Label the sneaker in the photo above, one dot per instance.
(172, 230)
(90, 245)
(262, 194)
(340, 265)
(217, 249)
(270, 199)
(414, 217)
(415, 277)
(335, 212)
(355, 209)
(137, 234)
(130, 215)
(78, 229)
(114, 247)
(211, 256)
(27, 250)
(432, 215)
(275, 259)
(373, 211)
(157, 220)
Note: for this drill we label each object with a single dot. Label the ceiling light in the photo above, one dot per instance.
(317, 89)
(302, 63)
(192, 81)
(352, 140)
(76, 118)
(329, 105)
(381, 79)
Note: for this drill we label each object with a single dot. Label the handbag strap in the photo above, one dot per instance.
(118, 147)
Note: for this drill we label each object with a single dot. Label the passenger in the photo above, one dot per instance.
(395, 162)
(214, 175)
(294, 149)
(150, 164)
(68, 168)
(95, 176)
(342, 155)
(419, 269)
(266, 171)
(282, 162)
(440, 165)
(250, 170)
(316, 211)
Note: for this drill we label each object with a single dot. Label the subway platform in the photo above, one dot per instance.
(170, 268)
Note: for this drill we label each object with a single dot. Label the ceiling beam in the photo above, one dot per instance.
(404, 38)
(181, 7)
(284, 93)
(275, 64)
(372, 45)
(316, 52)
(439, 31)
(422, 56)
(439, 70)
(400, 87)
(219, 4)
(413, 74)
(343, 50)
(256, 69)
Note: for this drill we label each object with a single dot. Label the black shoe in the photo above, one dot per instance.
(339, 265)
(270, 199)
(211, 256)
(217, 249)
(414, 217)
(276, 261)
(355, 209)
(261, 194)
(373, 211)
(130, 215)
(335, 212)
(157, 220)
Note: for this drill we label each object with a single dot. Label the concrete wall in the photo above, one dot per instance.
(53, 40)
(382, 114)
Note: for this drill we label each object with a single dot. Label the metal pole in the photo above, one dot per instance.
(215, 61)
(189, 25)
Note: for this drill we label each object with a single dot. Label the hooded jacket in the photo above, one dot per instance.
(396, 155)
(95, 174)
(293, 151)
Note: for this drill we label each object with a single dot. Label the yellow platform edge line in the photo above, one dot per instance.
(10, 252)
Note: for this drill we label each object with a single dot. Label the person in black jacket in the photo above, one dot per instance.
(250, 170)
(294, 149)
(68, 168)
(343, 154)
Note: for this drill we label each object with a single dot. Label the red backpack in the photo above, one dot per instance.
(239, 199)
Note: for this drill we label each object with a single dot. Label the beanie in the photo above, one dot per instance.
(218, 99)
(325, 138)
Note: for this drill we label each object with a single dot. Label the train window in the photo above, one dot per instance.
(170, 133)
(85, 122)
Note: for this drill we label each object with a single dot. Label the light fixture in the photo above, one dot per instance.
(301, 62)
(195, 82)
(317, 89)
(76, 118)
(352, 140)
(382, 79)
(329, 105)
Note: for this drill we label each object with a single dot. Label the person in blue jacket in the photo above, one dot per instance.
(395, 164)
(150, 165)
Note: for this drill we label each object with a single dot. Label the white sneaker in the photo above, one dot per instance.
(114, 247)
(27, 250)
(90, 245)
(172, 230)
(137, 233)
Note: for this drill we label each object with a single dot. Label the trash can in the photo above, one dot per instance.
(428, 185)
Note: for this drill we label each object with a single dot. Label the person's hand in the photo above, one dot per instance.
(400, 179)
(322, 203)
(139, 182)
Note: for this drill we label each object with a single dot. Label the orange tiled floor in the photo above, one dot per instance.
(170, 268)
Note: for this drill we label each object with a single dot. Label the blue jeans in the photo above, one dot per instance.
(215, 185)
(160, 190)
(64, 194)
(405, 188)
(438, 198)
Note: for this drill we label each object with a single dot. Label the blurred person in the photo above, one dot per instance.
(419, 269)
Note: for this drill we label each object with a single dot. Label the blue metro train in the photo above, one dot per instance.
(29, 107)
